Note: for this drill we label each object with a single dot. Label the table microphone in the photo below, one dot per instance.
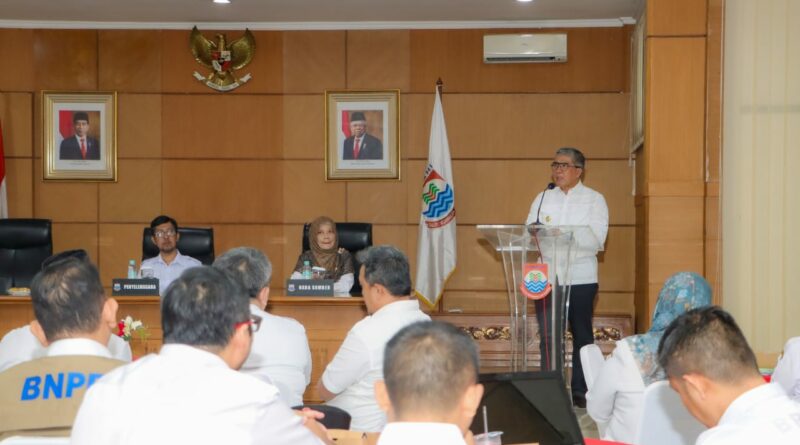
(550, 186)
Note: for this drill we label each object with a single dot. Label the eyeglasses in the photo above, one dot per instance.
(562, 166)
(164, 233)
(254, 322)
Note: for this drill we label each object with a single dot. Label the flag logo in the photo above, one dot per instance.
(535, 284)
(438, 206)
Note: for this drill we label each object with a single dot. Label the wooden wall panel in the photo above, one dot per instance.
(676, 219)
(306, 195)
(129, 60)
(477, 301)
(378, 60)
(139, 126)
(223, 191)
(215, 126)
(136, 196)
(379, 202)
(616, 264)
(269, 239)
(119, 243)
(614, 303)
(314, 61)
(19, 181)
(65, 59)
(395, 235)
(22, 76)
(676, 17)
(292, 235)
(596, 63)
(479, 267)
(16, 111)
(675, 109)
(303, 126)
(64, 201)
(76, 236)
(178, 64)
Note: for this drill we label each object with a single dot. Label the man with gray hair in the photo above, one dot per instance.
(430, 388)
(349, 379)
(280, 354)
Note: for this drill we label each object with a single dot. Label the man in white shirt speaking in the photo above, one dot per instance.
(567, 202)
(710, 365)
(348, 381)
(280, 354)
(169, 264)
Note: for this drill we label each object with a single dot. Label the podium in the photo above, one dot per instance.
(536, 261)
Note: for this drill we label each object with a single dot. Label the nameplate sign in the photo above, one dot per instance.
(309, 288)
(126, 287)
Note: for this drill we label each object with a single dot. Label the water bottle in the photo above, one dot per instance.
(306, 271)
(132, 269)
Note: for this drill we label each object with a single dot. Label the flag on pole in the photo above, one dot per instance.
(436, 252)
(3, 198)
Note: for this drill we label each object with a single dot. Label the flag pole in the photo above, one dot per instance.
(439, 85)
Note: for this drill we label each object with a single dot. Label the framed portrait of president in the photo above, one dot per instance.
(362, 135)
(80, 138)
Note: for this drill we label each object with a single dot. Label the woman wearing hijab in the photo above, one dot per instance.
(787, 372)
(326, 253)
(615, 399)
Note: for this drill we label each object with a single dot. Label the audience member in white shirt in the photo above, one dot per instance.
(348, 381)
(430, 390)
(191, 392)
(787, 372)
(615, 400)
(169, 263)
(280, 352)
(710, 365)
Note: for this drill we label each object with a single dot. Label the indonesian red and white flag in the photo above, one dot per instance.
(436, 251)
(3, 181)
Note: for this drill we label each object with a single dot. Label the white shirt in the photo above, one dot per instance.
(358, 363)
(787, 372)
(580, 206)
(77, 346)
(185, 395)
(615, 400)
(421, 433)
(167, 273)
(280, 355)
(341, 287)
(20, 345)
(763, 415)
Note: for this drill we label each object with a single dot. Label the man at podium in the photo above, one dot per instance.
(566, 201)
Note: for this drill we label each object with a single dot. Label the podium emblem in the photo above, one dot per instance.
(535, 284)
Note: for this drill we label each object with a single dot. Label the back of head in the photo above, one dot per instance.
(708, 342)
(162, 219)
(67, 298)
(79, 254)
(387, 266)
(427, 366)
(202, 307)
(249, 266)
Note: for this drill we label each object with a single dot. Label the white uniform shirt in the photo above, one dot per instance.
(185, 395)
(77, 346)
(763, 415)
(358, 363)
(167, 273)
(20, 345)
(787, 372)
(280, 355)
(581, 206)
(419, 433)
(615, 400)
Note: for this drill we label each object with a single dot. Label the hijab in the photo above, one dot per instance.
(681, 292)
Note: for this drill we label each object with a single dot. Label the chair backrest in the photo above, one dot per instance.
(591, 361)
(197, 243)
(353, 237)
(665, 421)
(24, 244)
(335, 417)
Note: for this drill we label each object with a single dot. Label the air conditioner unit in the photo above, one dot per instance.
(522, 48)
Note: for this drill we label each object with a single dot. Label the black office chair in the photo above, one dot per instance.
(353, 237)
(335, 417)
(24, 244)
(197, 243)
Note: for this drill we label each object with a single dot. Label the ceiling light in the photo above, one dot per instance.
(228, 1)
(521, 1)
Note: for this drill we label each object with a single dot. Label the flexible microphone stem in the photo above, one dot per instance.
(550, 186)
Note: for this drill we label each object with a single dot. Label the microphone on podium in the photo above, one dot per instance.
(550, 186)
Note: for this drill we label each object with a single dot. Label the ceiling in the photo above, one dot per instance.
(316, 14)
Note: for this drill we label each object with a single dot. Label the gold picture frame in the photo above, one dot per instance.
(373, 116)
(79, 136)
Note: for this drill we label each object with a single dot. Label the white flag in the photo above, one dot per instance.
(3, 198)
(436, 252)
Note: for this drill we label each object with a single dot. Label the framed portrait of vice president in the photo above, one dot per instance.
(79, 140)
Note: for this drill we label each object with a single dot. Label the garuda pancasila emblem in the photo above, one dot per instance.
(223, 58)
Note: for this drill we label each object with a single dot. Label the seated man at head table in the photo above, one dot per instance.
(430, 388)
(280, 354)
(21, 345)
(169, 263)
(75, 320)
(348, 380)
(191, 392)
(710, 365)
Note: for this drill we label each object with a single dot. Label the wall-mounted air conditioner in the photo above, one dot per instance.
(525, 48)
